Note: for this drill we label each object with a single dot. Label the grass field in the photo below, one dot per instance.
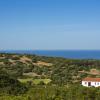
(35, 81)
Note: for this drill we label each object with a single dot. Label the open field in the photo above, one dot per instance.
(35, 81)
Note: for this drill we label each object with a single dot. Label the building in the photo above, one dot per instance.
(91, 82)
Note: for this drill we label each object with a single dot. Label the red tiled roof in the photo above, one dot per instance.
(91, 79)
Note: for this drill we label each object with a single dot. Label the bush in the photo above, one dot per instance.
(10, 85)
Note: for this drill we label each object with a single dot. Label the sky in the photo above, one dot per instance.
(50, 24)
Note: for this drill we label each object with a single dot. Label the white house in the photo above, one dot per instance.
(91, 82)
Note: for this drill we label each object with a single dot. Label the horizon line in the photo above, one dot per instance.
(49, 49)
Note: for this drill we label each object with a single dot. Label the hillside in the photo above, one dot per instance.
(59, 70)
(31, 77)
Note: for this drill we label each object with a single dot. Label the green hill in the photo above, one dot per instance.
(59, 70)
(31, 77)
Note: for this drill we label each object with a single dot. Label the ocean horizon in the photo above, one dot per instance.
(70, 54)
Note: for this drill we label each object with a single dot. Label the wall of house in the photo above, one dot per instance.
(95, 84)
(84, 83)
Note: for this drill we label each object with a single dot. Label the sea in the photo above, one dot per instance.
(70, 54)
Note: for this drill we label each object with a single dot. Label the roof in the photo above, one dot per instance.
(91, 79)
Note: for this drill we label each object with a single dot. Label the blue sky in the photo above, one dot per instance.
(50, 24)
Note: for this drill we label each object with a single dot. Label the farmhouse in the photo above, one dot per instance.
(91, 82)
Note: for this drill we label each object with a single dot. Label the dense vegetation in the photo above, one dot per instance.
(31, 77)
(10, 85)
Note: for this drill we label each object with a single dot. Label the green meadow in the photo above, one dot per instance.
(35, 81)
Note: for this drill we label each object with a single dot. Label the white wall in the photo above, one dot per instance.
(84, 83)
(95, 84)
